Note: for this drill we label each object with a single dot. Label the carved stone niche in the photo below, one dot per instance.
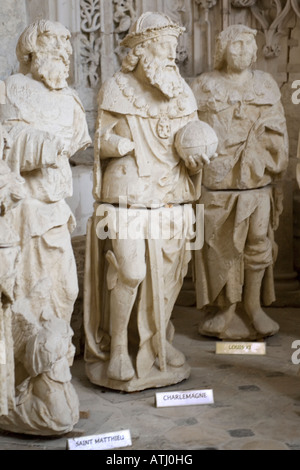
(271, 18)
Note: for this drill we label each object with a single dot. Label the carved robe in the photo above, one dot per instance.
(154, 174)
(151, 175)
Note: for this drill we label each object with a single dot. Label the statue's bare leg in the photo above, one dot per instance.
(262, 323)
(121, 303)
(131, 270)
(217, 323)
(175, 358)
(261, 247)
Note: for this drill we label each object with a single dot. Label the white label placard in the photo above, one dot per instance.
(241, 348)
(112, 440)
(184, 398)
(2, 353)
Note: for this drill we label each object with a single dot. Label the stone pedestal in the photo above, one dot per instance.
(97, 374)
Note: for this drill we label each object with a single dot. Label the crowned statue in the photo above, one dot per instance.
(145, 181)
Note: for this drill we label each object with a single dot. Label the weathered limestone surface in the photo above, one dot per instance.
(149, 152)
(241, 197)
(42, 125)
(12, 23)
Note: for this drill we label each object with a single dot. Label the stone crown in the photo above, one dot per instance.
(150, 26)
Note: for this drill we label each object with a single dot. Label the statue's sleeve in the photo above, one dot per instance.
(268, 140)
(27, 149)
(112, 131)
(81, 138)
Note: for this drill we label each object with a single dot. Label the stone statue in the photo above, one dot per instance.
(144, 186)
(234, 270)
(43, 125)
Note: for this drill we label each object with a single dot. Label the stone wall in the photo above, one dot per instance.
(103, 25)
(13, 20)
(78, 244)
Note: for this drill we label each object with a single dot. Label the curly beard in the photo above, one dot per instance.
(51, 68)
(164, 75)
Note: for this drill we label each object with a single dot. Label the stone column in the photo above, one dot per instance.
(286, 276)
(286, 280)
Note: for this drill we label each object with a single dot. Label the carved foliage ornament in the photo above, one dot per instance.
(90, 39)
(180, 12)
(296, 7)
(124, 16)
(270, 15)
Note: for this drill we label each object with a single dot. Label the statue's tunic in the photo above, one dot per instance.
(153, 175)
(45, 128)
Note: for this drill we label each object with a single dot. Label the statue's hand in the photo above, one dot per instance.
(193, 165)
(113, 145)
(125, 146)
(196, 162)
(59, 148)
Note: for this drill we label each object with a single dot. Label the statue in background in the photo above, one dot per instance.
(234, 270)
(144, 185)
(43, 124)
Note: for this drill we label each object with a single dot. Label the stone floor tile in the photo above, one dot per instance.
(257, 398)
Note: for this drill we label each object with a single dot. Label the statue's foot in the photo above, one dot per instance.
(120, 366)
(262, 323)
(175, 358)
(218, 322)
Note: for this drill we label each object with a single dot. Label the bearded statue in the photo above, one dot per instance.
(43, 124)
(144, 181)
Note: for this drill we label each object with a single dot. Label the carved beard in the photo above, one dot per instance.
(52, 69)
(164, 75)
